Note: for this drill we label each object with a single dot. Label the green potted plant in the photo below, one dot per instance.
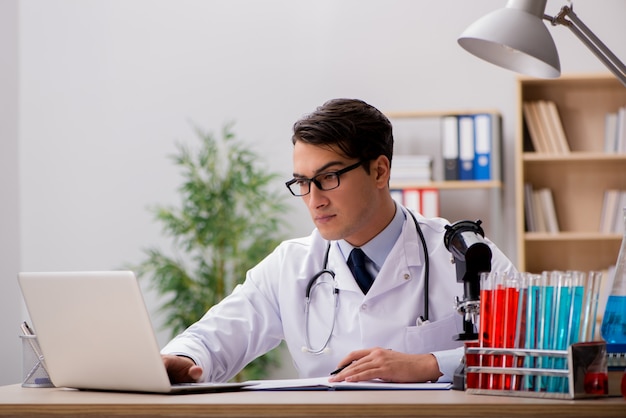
(227, 222)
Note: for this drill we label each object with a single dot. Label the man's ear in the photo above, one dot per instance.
(382, 167)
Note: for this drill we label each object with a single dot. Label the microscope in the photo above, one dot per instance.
(471, 256)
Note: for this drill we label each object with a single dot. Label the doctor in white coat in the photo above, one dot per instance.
(305, 293)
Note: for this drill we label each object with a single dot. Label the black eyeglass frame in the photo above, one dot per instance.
(314, 180)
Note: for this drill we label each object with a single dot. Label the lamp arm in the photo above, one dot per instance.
(590, 40)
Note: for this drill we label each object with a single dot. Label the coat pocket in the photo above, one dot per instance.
(434, 336)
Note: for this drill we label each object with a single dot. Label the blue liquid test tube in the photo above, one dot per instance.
(578, 284)
(546, 328)
(562, 321)
(532, 326)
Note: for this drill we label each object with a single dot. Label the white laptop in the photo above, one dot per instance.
(95, 333)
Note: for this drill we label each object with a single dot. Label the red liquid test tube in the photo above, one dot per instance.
(484, 332)
(511, 297)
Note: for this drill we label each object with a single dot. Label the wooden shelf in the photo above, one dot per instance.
(450, 185)
(572, 236)
(573, 156)
(577, 179)
(412, 114)
(420, 132)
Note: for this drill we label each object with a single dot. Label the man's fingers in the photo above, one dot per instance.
(181, 369)
(195, 373)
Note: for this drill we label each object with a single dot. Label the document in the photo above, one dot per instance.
(322, 383)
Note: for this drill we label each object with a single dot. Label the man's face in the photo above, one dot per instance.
(350, 211)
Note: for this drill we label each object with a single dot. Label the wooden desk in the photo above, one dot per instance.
(16, 401)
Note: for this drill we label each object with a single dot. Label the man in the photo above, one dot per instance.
(342, 160)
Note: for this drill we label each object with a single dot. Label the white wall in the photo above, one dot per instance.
(10, 299)
(107, 87)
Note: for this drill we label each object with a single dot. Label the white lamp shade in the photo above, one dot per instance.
(514, 39)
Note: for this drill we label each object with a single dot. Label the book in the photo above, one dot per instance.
(620, 135)
(618, 220)
(412, 199)
(396, 194)
(430, 203)
(450, 147)
(322, 383)
(411, 168)
(609, 210)
(541, 109)
(612, 214)
(535, 128)
(556, 133)
(548, 210)
(540, 220)
(424, 201)
(466, 147)
(528, 208)
(610, 132)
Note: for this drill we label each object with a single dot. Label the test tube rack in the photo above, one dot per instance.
(586, 370)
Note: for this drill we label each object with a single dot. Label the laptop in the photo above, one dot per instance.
(95, 333)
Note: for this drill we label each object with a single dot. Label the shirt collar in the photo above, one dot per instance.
(378, 248)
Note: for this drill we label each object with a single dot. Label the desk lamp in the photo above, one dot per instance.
(515, 38)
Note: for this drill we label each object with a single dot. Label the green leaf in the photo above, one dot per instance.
(227, 221)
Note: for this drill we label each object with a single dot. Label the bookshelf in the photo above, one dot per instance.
(421, 132)
(577, 178)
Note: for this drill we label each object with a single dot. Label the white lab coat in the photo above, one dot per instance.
(269, 307)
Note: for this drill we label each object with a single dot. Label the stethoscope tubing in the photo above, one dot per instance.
(326, 270)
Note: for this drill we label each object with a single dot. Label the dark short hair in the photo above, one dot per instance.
(358, 129)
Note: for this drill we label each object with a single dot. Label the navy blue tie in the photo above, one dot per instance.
(356, 262)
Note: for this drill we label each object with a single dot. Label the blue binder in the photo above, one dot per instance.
(466, 147)
(482, 147)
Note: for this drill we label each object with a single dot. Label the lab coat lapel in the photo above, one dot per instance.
(398, 269)
(343, 275)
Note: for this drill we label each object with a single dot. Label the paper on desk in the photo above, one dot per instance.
(322, 383)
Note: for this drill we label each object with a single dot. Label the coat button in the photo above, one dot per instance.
(407, 276)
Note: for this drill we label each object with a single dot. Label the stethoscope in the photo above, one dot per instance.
(314, 281)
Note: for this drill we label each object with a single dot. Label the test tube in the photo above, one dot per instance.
(563, 312)
(578, 285)
(590, 306)
(472, 379)
(532, 327)
(511, 297)
(546, 317)
(497, 326)
(520, 327)
(486, 318)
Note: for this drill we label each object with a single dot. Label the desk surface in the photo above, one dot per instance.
(16, 401)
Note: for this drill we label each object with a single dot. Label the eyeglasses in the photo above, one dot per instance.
(323, 181)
